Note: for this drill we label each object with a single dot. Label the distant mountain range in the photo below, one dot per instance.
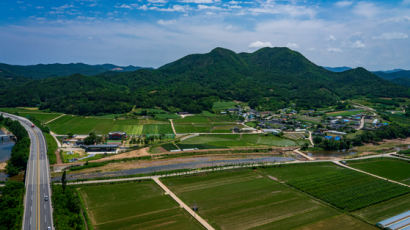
(58, 70)
(398, 76)
(267, 79)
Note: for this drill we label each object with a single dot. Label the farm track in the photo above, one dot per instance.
(182, 204)
(370, 174)
(62, 115)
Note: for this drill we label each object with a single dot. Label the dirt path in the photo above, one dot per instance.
(62, 115)
(361, 124)
(172, 126)
(303, 155)
(136, 153)
(183, 205)
(379, 177)
(311, 139)
(3, 166)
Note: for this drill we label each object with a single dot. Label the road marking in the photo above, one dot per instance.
(38, 184)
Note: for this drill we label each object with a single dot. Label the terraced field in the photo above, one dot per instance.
(138, 205)
(244, 199)
(394, 169)
(341, 187)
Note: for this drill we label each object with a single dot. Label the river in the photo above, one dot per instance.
(5, 147)
(5, 151)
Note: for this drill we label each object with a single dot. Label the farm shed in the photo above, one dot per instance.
(117, 135)
(401, 221)
(100, 148)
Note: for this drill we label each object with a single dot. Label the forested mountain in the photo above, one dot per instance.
(268, 79)
(401, 77)
(398, 76)
(57, 70)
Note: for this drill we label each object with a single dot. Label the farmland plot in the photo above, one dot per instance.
(341, 187)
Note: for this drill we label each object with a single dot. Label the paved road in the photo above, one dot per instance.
(38, 212)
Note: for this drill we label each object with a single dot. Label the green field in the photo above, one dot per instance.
(37, 114)
(341, 187)
(136, 205)
(51, 148)
(394, 169)
(344, 113)
(223, 105)
(85, 125)
(240, 140)
(244, 199)
(204, 118)
(384, 210)
(219, 127)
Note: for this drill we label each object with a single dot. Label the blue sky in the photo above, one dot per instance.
(372, 34)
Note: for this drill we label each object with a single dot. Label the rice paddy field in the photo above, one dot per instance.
(346, 189)
(394, 169)
(135, 205)
(85, 125)
(240, 140)
(245, 199)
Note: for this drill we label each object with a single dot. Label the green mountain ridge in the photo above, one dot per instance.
(268, 79)
(40, 71)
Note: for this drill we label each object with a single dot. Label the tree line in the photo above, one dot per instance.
(391, 131)
(21, 149)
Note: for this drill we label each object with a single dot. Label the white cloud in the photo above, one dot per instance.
(343, 3)
(358, 44)
(290, 10)
(197, 1)
(166, 22)
(206, 7)
(391, 36)
(260, 44)
(334, 50)
(157, 1)
(331, 38)
(406, 2)
(366, 9)
(292, 45)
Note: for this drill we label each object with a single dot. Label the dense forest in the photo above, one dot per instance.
(11, 195)
(20, 151)
(267, 79)
(11, 205)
